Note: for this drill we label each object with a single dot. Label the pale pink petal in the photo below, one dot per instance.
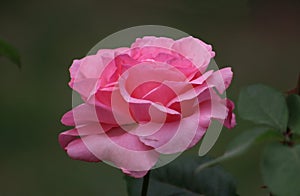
(74, 70)
(94, 128)
(85, 87)
(221, 79)
(86, 113)
(86, 78)
(122, 149)
(150, 53)
(164, 55)
(66, 137)
(201, 79)
(135, 174)
(126, 140)
(195, 50)
(217, 105)
(190, 92)
(86, 72)
(212, 106)
(175, 136)
(121, 109)
(161, 42)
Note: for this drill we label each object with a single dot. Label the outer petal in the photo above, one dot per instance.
(74, 70)
(118, 147)
(174, 137)
(85, 73)
(78, 150)
(221, 79)
(75, 148)
(230, 121)
(87, 113)
(66, 137)
(136, 174)
(195, 50)
(161, 42)
(122, 149)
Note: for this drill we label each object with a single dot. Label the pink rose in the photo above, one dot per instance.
(156, 97)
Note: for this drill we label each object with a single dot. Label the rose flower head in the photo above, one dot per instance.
(157, 97)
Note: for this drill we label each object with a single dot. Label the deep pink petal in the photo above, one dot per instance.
(115, 68)
(155, 72)
(230, 121)
(68, 119)
(66, 137)
(78, 150)
(152, 91)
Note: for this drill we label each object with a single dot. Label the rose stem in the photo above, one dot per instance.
(145, 184)
(298, 86)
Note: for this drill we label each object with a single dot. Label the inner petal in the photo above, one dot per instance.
(154, 91)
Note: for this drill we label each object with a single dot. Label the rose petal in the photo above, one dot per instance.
(122, 149)
(230, 121)
(195, 50)
(85, 73)
(161, 42)
(134, 77)
(78, 150)
(221, 79)
(87, 113)
(152, 91)
(66, 137)
(175, 136)
(135, 174)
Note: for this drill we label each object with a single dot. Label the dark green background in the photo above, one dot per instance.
(259, 39)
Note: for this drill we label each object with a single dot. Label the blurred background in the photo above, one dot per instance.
(258, 38)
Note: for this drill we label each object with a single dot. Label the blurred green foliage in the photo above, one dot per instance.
(259, 39)
(10, 52)
(180, 178)
(280, 162)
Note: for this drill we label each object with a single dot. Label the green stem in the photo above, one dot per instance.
(298, 87)
(145, 184)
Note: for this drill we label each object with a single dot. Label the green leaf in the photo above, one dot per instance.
(10, 52)
(241, 144)
(281, 169)
(293, 102)
(263, 105)
(179, 178)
